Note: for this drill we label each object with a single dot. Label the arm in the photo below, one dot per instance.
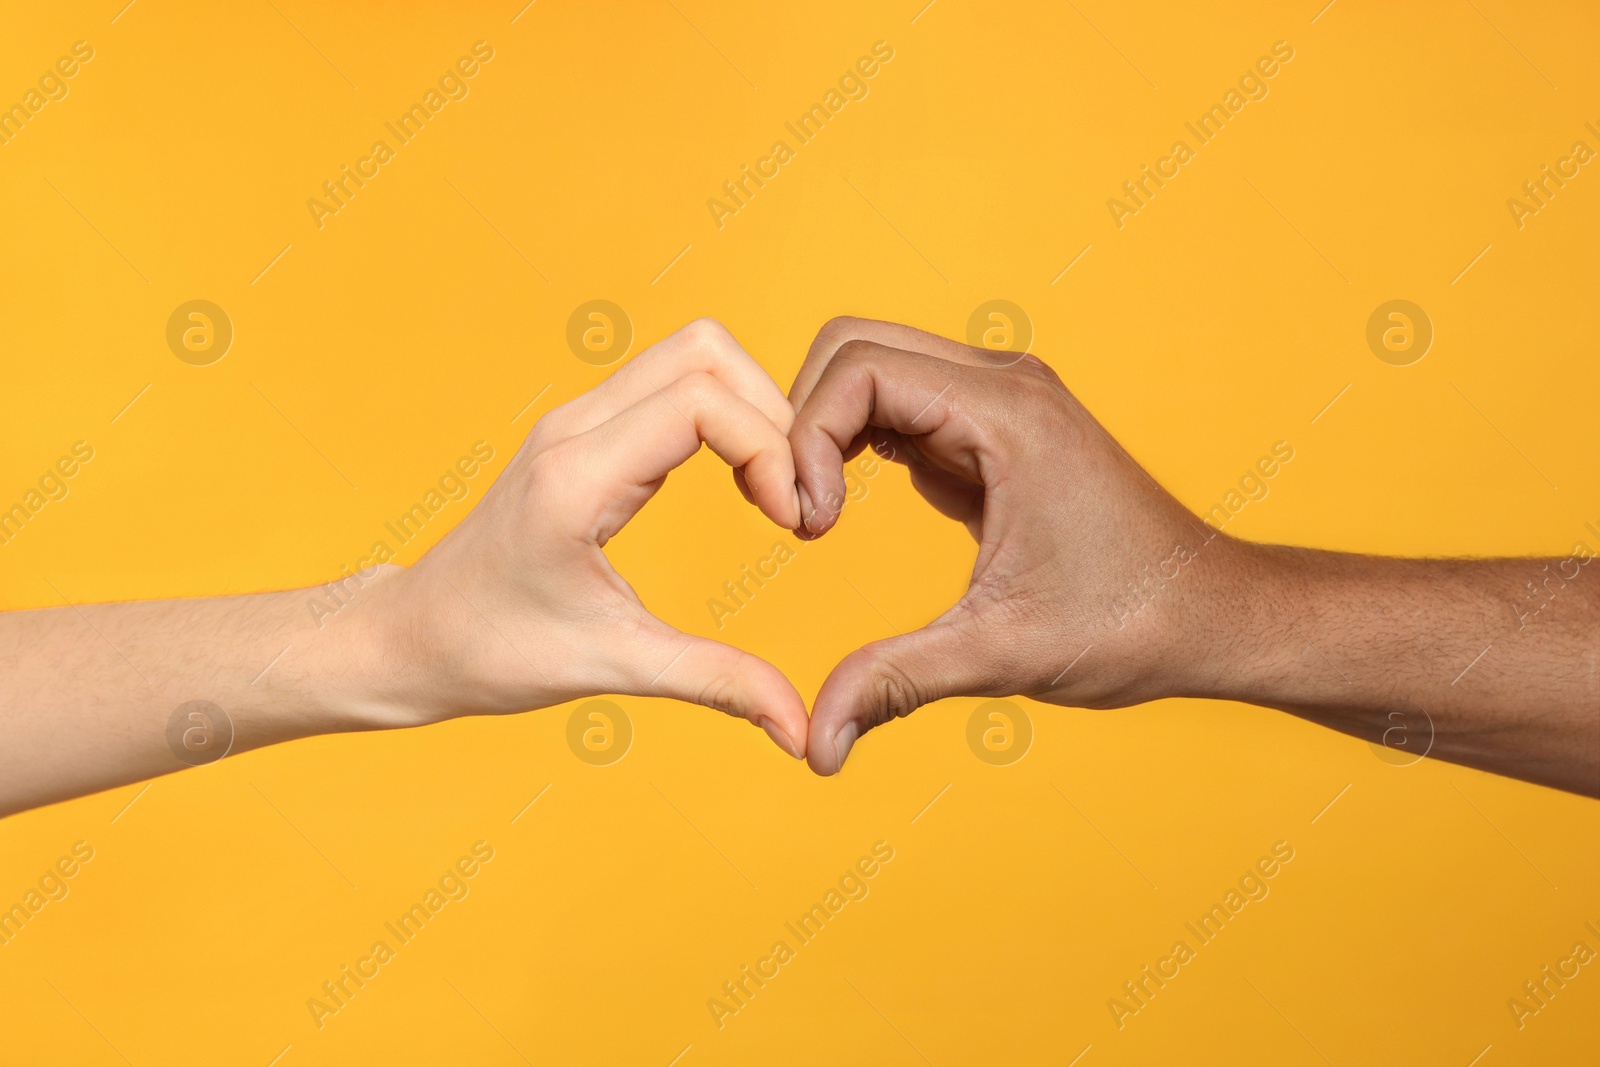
(516, 608)
(1409, 652)
(1094, 587)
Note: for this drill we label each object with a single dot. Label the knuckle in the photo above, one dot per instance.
(1027, 386)
(546, 432)
(693, 391)
(856, 350)
(840, 327)
(1039, 378)
(1032, 365)
(707, 331)
(895, 694)
(555, 425)
(557, 493)
(722, 694)
(547, 469)
(539, 437)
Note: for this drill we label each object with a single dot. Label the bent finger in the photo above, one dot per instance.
(704, 346)
(868, 385)
(621, 462)
(838, 332)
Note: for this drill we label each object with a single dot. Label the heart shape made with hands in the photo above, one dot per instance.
(527, 611)
(1093, 587)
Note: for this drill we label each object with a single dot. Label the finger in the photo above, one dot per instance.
(867, 384)
(701, 671)
(621, 462)
(838, 332)
(702, 347)
(890, 679)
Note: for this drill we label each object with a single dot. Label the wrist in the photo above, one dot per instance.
(1232, 636)
(1275, 621)
(363, 649)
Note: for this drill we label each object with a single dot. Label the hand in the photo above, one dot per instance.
(518, 607)
(1093, 586)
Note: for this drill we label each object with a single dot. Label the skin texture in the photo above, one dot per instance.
(1093, 588)
(516, 608)
(1096, 588)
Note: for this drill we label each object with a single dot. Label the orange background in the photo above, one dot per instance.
(370, 353)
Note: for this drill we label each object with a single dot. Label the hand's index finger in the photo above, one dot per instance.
(838, 332)
(868, 384)
(622, 462)
(704, 346)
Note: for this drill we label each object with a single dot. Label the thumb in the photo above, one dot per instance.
(701, 671)
(892, 678)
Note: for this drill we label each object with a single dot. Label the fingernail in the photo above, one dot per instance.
(805, 507)
(779, 738)
(798, 513)
(843, 740)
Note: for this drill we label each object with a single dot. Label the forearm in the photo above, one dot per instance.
(1463, 660)
(87, 694)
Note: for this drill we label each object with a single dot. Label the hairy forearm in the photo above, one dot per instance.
(1491, 663)
(88, 694)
